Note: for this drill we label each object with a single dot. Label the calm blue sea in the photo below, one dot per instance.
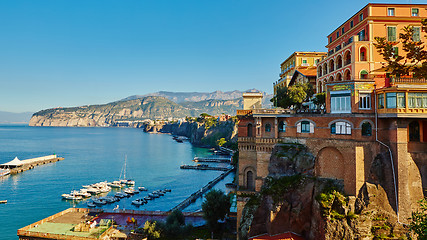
(92, 155)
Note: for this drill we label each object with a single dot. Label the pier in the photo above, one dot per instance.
(18, 166)
(215, 159)
(199, 193)
(204, 167)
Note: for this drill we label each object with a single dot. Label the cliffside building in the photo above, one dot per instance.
(368, 114)
(297, 60)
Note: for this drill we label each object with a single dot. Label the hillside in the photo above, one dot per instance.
(150, 107)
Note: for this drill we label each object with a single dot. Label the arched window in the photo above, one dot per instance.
(325, 69)
(363, 54)
(319, 72)
(319, 87)
(250, 130)
(331, 66)
(366, 129)
(250, 180)
(347, 75)
(363, 74)
(341, 128)
(268, 127)
(305, 127)
(339, 62)
(414, 131)
(282, 126)
(339, 77)
(347, 58)
(331, 79)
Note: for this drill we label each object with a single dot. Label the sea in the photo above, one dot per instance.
(93, 155)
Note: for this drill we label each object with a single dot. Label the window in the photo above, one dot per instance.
(364, 101)
(414, 131)
(330, 39)
(250, 180)
(341, 128)
(340, 102)
(415, 12)
(363, 74)
(249, 129)
(395, 52)
(391, 100)
(417, 100)
(380, 100)
(363, 54)
(401, 100)
(366, 129)
(361, 17)
(351, 24)
(362, 35)
(305, 126)
(416, 34)
(338, 34)
(268, 127)
(391, 34)
(282, 126)
(390, 11)
(342, 31)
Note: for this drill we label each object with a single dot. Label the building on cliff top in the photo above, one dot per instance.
(361, 101)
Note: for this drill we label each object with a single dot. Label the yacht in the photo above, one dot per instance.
(71, 197)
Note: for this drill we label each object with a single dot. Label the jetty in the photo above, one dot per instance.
(18, 166)
(199, 193)
(204, 167)
(214, 159)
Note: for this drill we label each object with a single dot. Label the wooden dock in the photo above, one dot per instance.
(34, 162)
(199, 193)
(203, 167)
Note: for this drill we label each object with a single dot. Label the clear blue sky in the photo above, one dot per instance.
(71, 53)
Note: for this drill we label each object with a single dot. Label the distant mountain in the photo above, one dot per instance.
(10, 118)
(139, 108)
(180, 97)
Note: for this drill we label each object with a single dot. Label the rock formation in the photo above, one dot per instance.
(292, 199)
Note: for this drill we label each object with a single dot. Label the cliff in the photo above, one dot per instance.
(292, 199)
(130, 110)
(199, 133)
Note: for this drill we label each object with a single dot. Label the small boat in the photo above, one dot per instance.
(129, 191)
(3, 201)
(91, 204)
(148, 198)
(167, 190)
(71, 197)
(99, 201)
(120, 195)
(115, 184)
(142, 189)
(139, 202)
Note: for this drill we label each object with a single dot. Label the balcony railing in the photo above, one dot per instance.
(243, 112)
(270, 111)
(397, 80)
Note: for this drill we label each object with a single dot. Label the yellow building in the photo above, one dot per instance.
(293, 62)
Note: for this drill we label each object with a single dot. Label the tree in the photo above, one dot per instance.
(215, 207)
(174, 227)
(294, 95)
(319, 99)
(151, 230)
(220, 142)
(414, 57)
(418, 223)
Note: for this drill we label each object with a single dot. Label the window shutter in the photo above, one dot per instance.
(311, 128)
(299, 127)
(338, 128)
(348, 128)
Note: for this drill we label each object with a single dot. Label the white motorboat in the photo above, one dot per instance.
(71, 197)
(139, 201)
(142, 189)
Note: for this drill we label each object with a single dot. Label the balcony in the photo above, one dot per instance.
(404, 80)
(270, 111)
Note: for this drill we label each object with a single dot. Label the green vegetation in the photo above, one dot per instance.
(215, 208)
(418, 224)
(220, 142)
(277, 187)
(332, 201)
(293, 96)
(151, 231)
(414, 57)
(319, 99)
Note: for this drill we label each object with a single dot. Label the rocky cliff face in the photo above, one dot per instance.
(292, 199)
(131, 110)
(198, 132)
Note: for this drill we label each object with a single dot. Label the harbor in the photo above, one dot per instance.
(17, 166)
(204, 167)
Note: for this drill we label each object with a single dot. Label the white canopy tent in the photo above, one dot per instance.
(12, 164)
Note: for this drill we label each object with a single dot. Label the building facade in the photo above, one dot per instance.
(368, 113)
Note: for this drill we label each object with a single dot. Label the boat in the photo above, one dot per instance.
(123, 180)
(120, 195)
(91, 204)
(3, 201)
(168, 190)
(148, 198)
(99, 201)
(115, 184)
(129, 191)
(142, 189)
(4, 172)
(71, 197)
(139, 201)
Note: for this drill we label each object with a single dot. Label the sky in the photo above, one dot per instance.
(78, 52)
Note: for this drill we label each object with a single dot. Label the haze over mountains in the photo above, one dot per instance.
(14, 118)
(160, 105)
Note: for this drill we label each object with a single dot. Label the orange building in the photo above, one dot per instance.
(368, 114)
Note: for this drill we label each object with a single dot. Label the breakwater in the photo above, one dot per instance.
(18, 166)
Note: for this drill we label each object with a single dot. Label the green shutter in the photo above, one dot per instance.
(391, 34)
(416, 34)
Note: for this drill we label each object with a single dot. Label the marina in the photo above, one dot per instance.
(204, 167)
(213, 159)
